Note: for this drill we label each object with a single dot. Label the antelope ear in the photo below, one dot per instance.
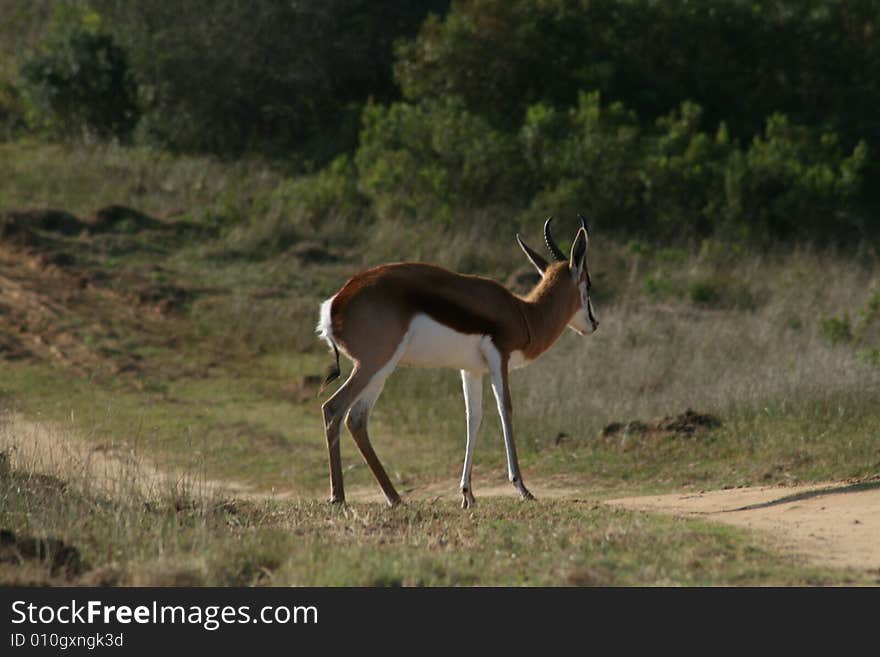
(578, 259)
(539, 263)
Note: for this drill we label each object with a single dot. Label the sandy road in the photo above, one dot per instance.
(832, 524)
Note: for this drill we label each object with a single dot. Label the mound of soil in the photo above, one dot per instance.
(166, 298)
(15, 234)
(18, 229)
(688, 423)
(19, 225)
(312, 252)
(59, 306)
(55, 221)
(120, 217)
(60, 557)
(11, 347)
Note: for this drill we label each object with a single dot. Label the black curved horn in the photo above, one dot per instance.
(555, 251)
(583, 222)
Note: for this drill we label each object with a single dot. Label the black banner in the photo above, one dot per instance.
(152, 620)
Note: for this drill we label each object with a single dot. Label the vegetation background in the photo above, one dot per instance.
(181, 184)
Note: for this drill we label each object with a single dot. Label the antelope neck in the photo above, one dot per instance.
(546, 311)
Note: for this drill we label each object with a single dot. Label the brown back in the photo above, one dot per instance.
(396, 292)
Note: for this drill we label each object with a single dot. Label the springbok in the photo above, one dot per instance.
(421, 315)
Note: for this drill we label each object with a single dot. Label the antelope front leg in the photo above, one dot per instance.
(497, 363)
(472, 385)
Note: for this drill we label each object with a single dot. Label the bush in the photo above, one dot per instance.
(704, 293)
(818, 61)
(836, 330)
(585, 159)
(674, 180)
(301, 207)
(683, 174)
(228, 76)
(870, 355)
(869, 326)
(329, 195)
(13, 112)
(720, 293)
(744, 129)
(793, 181)
(81, 83)
(428, 161)
(660, 287)
(668, 180)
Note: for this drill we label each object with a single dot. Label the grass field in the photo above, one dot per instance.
(182, 327)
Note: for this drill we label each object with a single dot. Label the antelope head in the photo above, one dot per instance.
(577, 282)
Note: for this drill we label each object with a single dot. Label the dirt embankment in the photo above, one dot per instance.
(57, 309)
(107, 468)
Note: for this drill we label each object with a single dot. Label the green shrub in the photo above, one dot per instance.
(673, 180)
(81, 82)
(228, 76)
(13, 112)
(636, 247)
(740, 61)
(714, 292)
(794, 181)
(331, 194)
(704, 293)
(683, 173)
(671, 254)
(585, 159)
(671, 150)
(864, 338)
(867, 329)
(669, 180)
(871, 312)
(427, 161)
(659, 287)
(836, 330)
(324, 203)
(870, 355)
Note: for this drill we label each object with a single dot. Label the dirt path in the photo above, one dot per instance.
(832, 524)
(829, 524)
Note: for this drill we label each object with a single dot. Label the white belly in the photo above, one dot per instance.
(432, 344)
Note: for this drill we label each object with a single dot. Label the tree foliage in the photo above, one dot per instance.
(80, 81)
(671, 178)
(818, 61)
(232, 75)
(752, 119)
